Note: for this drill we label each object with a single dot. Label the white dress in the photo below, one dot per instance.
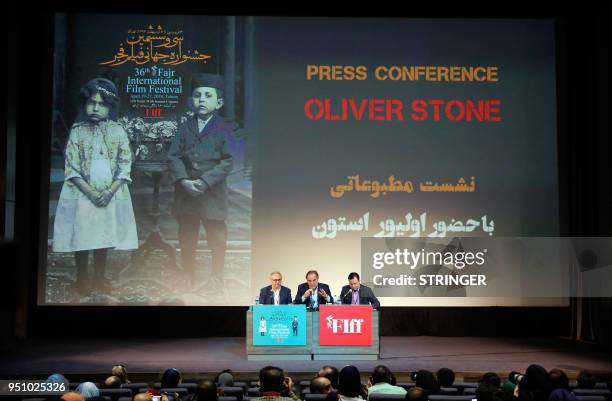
(99, 154)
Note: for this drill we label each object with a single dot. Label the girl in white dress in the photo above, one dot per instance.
(94, 211)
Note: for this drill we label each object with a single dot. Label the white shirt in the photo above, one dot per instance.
(276, 296)
(202, 123)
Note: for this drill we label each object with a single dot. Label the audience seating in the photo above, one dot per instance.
(440, 397)
(386, 397)
(301, 385)
(115, 393)
(233, 392)
(593, 391)
(191, 387)
(135, 387)
(243, 385)
(181, 391)
(253, 392)
(463, 385)
(590, 398)
(314, 397)
(597, 386)
(245, 391)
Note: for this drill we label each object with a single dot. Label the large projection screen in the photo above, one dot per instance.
(325, 131)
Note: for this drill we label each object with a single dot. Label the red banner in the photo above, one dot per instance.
(345, 325)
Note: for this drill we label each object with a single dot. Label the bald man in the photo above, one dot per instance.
(74, 396)
(416, 394)
(143, 397)
(112, 382)
(320, 385)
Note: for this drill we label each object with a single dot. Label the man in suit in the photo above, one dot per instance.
(357, 294)
(275, 294)
(312, 293)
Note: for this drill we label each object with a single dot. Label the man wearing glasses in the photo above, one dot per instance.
(275, 294)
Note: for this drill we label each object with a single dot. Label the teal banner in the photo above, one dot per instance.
(278, 325)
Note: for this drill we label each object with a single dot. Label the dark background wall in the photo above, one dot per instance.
(586, 206)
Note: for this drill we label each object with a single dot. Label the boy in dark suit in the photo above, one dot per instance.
(199, 165)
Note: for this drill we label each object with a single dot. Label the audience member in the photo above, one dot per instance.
(487, 391)
(320, 385)
(171, 378)
(121, 372)
(58, 378)
(143, 397)
(72, 396)
(381, 382)
(535, 385)
(349, 386)
(427, 381)
(585, 380)
(225, 378)
(416, 394)
(207, 391)
(558, 379)
(272, 384)
(492, 378)
(88, 390)
(112, 382)
(331, 373)
(446, 377)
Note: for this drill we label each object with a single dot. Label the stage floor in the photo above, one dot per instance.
(206, 355)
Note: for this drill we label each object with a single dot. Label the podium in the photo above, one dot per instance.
(313, 349)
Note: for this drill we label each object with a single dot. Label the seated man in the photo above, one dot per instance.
(206, 391)
(446, 377)
(320, 385)
(143, 397)
(416, 394)
(357, 294)
(275, 294)
(312, 293)
(112, 382)
(381, 382)
(72, 396)
(331, 373)
(274, 386)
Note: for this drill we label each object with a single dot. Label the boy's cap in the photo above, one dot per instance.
(206, 80)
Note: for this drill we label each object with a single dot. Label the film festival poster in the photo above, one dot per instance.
(151, 61)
